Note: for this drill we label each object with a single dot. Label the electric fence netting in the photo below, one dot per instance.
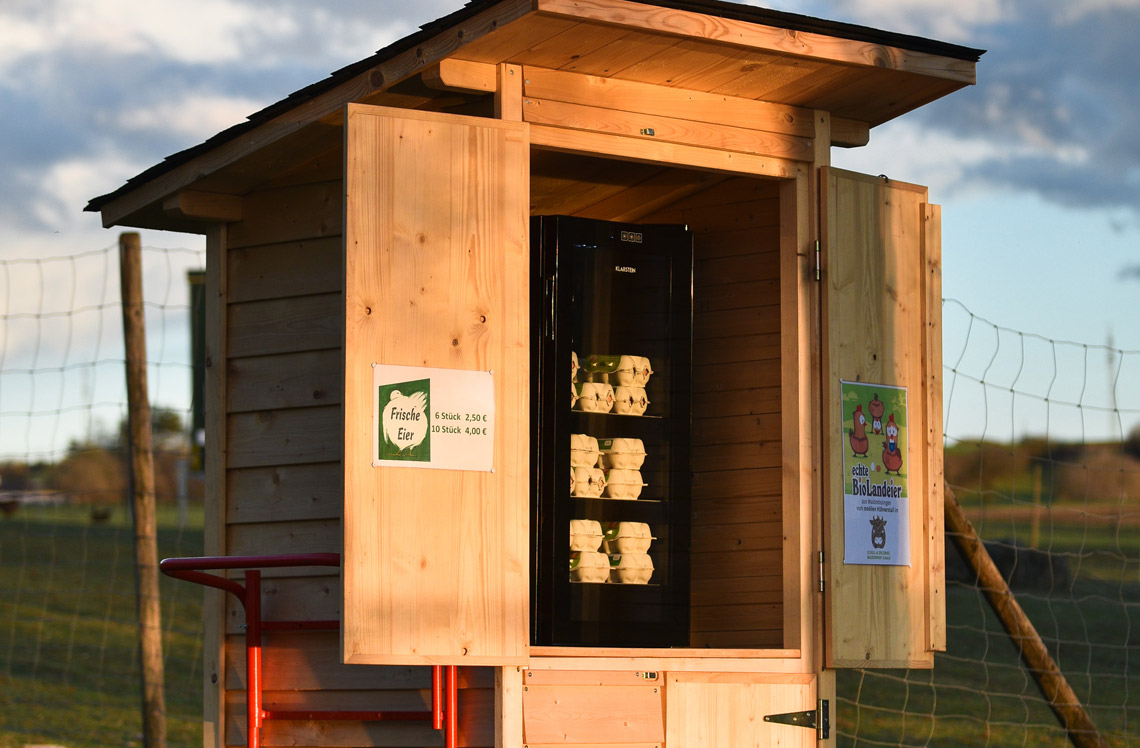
(1043, 454)
(69, 641)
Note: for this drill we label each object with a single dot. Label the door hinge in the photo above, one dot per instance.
(821, 571)
(818, 271)
(818, 719)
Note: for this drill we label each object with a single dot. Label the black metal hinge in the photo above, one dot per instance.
(818, 719)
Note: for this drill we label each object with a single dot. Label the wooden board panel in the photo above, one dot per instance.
(661, 128)
(284, 437)
(935, 481)
(738, 402)
(277, 271)
(476, 729)
(695, 106)
(285, 492)
(437, 259)
(291, 380)
(575, 707)
(875, 291)
(295, 213)
(312, 536)
(310, 598)
(728, 710)
(741, 348)
(304, 323)
(732, 484)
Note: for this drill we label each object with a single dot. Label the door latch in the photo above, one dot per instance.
(818, 719)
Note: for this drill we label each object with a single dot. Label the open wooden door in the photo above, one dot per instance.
(882, 418)
(435, 565)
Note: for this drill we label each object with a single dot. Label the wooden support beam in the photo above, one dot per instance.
(204, 206)
(849, 133)
(462, 76)
(697, 106)
(651, 151)
(666, 129)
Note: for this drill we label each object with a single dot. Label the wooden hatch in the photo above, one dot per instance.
(436, 259)
(882, 324)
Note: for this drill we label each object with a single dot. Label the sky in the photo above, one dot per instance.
(1037, 167)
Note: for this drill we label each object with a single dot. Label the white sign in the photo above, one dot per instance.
(876, 508)
(433, 418)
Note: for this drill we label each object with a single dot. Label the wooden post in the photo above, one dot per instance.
(1059, 695)
(142, 494)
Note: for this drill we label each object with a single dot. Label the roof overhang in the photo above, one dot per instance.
(861, 76)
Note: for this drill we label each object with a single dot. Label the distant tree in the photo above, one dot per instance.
(1132, 443)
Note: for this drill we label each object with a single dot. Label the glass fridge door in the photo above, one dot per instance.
(612, 520)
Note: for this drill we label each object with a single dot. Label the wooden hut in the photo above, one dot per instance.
(381, 216)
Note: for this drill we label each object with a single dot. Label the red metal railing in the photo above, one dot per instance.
(444, 695)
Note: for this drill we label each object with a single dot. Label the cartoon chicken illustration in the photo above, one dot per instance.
(405, 419)
(858, 435)
(892, 455)
(876, 408)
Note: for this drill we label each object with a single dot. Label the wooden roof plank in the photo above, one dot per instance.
(629, 49)
(754, 35)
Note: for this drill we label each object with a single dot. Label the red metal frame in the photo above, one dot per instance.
(444, 714)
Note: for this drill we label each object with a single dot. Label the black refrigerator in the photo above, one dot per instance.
(611, 415)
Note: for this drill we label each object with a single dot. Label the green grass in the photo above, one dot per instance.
(69, 634)
(69, 675)
(981, 694)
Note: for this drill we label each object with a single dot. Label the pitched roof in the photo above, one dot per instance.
(716, 8)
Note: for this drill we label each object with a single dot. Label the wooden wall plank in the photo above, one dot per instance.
(285, 492)
(733, 484)
(289, 214)
(763, 347)
(291, 380)
(284, 437)
(304, 323)
(313, 536)
(285, 270)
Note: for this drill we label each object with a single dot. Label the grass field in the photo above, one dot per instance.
(69, 675)
(980, 694)
(68, 631)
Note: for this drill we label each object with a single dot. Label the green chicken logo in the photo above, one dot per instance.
(405, 427)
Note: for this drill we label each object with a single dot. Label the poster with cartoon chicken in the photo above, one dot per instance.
(876, 508)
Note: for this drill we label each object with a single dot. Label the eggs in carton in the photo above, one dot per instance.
(630, 401)
(589, 482)
(585, 535)
(589, 566)
(593, 397)
(627, 537)
(625, 454)
(631, 568)
(583, 450)
(623, 484)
